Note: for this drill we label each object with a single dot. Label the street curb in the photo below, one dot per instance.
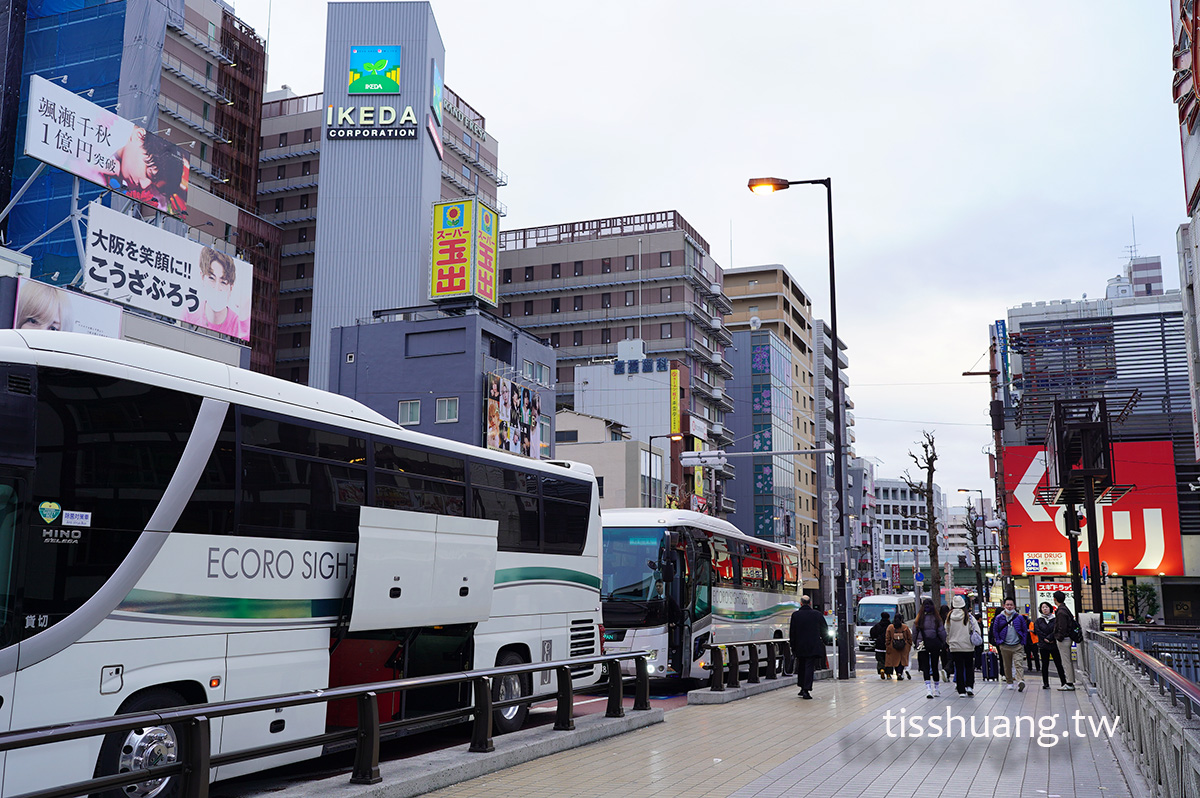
(707, 696)
(421, 774)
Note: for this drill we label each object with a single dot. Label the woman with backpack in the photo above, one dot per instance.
(930, 638)
(899, 645)
(962, 636)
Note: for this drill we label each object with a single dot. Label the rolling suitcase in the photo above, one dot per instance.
(991, 666)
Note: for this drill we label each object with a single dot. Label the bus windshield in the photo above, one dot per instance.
(868, 614)
(630, 564)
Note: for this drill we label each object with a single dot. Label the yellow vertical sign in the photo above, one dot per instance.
(699, 488)
(453, 248)
(674, 401)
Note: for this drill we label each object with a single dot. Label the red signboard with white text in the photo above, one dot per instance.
(1138, 534)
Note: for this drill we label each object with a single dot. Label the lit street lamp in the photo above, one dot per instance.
(769, 185)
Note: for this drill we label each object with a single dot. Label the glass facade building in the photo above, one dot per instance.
(770, 410)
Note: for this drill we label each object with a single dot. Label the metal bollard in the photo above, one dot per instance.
(753, 677)
(641, 696)
(481, 728)
(366, 752)
(771, 655)
(563, 718)
(615, 710)
(718, 669)
(197, 748)
(734, 666)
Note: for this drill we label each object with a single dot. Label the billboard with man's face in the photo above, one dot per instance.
(71, 133)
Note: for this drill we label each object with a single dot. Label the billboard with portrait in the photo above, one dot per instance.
(511, 415)
(135, 263)
(74, 134)
(41, 306)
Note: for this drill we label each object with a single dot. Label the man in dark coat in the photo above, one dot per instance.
(807, 636)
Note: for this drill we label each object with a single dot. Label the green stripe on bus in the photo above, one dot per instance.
(754, 615)
(535, 574)
(181, 604)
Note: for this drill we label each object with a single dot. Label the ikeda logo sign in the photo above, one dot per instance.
(1138, 535)
(374, 69)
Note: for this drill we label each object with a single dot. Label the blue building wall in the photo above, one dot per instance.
(438, 357)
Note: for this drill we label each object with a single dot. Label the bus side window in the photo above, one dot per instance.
(704, 579)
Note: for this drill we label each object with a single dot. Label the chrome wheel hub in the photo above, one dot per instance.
(147, 747)
(510, 687)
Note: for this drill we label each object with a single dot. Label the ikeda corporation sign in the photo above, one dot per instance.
(374, 70)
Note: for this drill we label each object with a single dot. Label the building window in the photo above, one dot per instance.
(297, 340)
(302, 234)
(466, 174)
(664, 259)
(410, 413)
(283, 139)
(606, 265)
(300, 271)
(629, 263)
(528, 274)
(566, 436)
(606, 335)
(528, 370)
(664, 331)
(606, 300)
(506, 310)
(577, 338)
(306, 167)
(308, 135)
(299, 305)
(528, 307)
(754, 309)
(303, 200)
(506, 276)
(577, 303)
(664, 294)
(628, 299)
(554, 340)
(555, 304)
(555, 270)
(630, 333)
(279, 205)
(544, 429)
(204, 152)
(578, 268)
(447, 410)
(280, 172)
(204, 111)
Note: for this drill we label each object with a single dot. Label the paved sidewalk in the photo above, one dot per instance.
(776, 744)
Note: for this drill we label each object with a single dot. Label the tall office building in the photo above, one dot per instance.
(192, 73)
(290, 167)
(586, 287)
(901, 514)
(767, 298)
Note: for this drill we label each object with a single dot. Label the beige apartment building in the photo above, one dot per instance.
(770, 295)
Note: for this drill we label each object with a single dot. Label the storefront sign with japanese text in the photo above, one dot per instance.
(464, 251)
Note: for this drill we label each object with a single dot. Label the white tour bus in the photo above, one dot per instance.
(675, 581)
(177, 531)
(870, 610)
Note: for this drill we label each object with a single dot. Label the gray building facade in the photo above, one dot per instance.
(373, 233)
(415, 366)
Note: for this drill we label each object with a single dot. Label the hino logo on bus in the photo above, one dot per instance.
(61, 535)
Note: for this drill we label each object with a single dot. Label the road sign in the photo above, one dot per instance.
(920, 577)
(831, 515)
(829, 496)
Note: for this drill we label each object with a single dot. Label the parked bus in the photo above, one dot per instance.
(675, 581)
(177, 531)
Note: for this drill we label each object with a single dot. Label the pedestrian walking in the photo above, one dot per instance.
(899, 640)
(806, 633)
(947, 662)
(962, 635)
(930, 639)
(1047, 647)
(1064, 634)
(1010, 634)
(877, 633)
(1032, 659)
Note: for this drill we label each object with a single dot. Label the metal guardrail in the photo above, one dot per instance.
(1166, 747)
(777, 649)
(1181, 656)
(192, 724)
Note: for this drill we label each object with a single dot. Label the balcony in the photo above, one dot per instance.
(728, 505)
(193, 78)
(728, 470)
(292, 354)
(292, 286)
(702, 387)
(292, 217)
(295, 319)
(457, 180)
(200, 40)
(297, 249)
(206, 169)
(718, 393)
(471, 156)
(266, 186)
(722, 365)
(310, 148)
(189, 119)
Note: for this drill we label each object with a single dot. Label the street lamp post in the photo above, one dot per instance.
(673, 436)
(769, 185)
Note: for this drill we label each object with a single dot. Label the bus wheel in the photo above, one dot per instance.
(509, 719)
(148, 746)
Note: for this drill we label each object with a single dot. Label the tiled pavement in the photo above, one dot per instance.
(776, 744)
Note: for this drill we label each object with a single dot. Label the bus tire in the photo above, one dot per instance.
(138, 748)
(509, 719)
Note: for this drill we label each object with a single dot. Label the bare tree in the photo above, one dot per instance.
(926, 461)
(974, 525)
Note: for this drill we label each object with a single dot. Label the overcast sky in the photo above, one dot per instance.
(982, 155)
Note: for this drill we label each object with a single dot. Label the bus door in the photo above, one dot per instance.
(702, 580)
